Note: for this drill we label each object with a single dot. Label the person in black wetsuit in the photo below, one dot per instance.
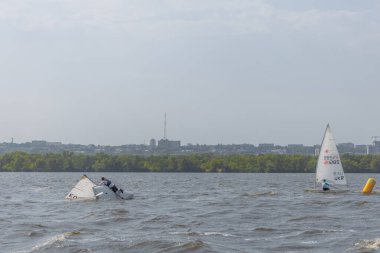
(111, 185)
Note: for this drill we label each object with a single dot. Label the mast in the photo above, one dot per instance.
(320, 151)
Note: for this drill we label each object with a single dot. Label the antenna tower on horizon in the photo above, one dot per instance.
(165, 127)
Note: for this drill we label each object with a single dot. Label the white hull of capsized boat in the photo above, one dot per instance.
(102, 191)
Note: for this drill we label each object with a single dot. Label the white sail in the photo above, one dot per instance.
(329, 165)
(82, 190)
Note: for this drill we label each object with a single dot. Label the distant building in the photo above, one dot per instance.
(265, 147)
(348, 148)
(152, 143)
(376, 147)
(361, 149)
(54, 143)
(167, 144)
(295, 149)
(316, 149)
(39, 142)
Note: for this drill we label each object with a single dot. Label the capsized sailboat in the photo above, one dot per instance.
(329, 166)
(86, 189)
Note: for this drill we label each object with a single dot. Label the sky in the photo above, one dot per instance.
(105, 72)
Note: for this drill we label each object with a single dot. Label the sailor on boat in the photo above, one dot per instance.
(325, 185)
(110, 185)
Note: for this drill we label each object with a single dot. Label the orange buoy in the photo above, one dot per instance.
(369, 185)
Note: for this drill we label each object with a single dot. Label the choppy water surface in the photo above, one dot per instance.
(187, 213)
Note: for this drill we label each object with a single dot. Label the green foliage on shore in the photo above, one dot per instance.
(268, 163)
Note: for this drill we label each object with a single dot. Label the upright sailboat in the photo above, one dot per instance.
(329, 165)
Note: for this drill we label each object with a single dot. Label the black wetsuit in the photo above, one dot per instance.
(111, 185)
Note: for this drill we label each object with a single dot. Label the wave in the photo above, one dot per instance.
(53, 241)
(186, 247)
(309, 242)
(111, 212)
(309, 217)
(317, 231)
(214, 213)
(35, 234)
(192, 233)
(88, 215)
(119, 211)
(264, 229)
(49, 242)
(375, 192)
(186, 233)
(109, 215)
(218, 234)
(296, 247)
(372, 244)
(158, 219)
(360, 203)
(318, 202)
(167, 247)
(259, 194)
(34, 225)
(179, 226)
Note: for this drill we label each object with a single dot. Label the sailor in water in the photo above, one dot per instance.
(111, 185)
(325, 185)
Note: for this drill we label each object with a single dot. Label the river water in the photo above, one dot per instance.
(187, 213)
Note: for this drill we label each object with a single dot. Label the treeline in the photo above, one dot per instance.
(70, 162)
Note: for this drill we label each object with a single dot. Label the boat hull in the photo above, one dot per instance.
(104, 192)
(327, 192)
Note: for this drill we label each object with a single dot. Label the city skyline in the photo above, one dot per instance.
(148, 140)
(169, 147)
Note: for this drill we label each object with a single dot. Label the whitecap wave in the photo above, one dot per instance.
(371, 244)
(218, 234)
(55, 239)
(309, 242)
(192, 233)
(50, 241)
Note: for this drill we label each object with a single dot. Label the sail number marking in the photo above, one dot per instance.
(331, 159)
(338, 175)
(72, 196)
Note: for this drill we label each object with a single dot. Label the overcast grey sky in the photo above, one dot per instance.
(225, 71)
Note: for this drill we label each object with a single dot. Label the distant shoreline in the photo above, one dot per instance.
(165, 172)
(200, 163)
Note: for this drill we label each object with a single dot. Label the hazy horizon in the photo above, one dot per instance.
(230, 72)
(146, 142)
